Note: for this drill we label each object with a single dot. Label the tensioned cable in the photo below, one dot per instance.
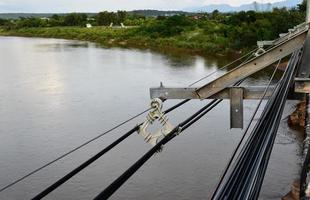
(114, 128)
(247, 175)
(225, 66)
(93, 159)
(84, 144)
(113, 187)
(177, 130)
(71, 151)
(97, 156)
(248, 126)
(248, 55)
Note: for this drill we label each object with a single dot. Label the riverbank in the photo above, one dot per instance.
(193, 42)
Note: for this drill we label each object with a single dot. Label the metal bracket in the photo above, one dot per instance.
(155, 114)
(256, 64)
(236, 107)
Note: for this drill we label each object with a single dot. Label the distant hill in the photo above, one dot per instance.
(245, 7)
(147, 13)
(150, 13)
(36, 15)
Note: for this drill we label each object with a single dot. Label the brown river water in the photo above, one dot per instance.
(56, 94)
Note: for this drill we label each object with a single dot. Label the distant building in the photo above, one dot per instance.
(197, 17)
(45, 18)
(89, 26)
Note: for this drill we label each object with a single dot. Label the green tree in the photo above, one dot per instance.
(75, 19)
(3, 22)
(106, 18)
(121, 16)
(303, 6)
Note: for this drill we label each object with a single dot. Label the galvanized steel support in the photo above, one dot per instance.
(252, 92)
(276, 53)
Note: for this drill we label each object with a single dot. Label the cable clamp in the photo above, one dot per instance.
(155, 114)
(260, 51)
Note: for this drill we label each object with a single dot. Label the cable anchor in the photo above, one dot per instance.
(155, 113)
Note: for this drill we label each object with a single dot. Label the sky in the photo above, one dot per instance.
(42, 6)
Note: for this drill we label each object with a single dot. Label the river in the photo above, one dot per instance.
(56, 94)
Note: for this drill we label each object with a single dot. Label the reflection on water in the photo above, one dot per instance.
(56, 94)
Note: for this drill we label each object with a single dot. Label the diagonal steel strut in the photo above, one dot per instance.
(276, 53)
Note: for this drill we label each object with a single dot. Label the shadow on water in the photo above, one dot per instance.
(62, 46)
(180, 57)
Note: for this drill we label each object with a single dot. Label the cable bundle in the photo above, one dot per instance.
(244, 178)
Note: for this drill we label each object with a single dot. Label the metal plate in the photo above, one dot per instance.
(236, 108)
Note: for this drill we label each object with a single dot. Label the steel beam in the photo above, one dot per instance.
(255, 92)
(252, 66)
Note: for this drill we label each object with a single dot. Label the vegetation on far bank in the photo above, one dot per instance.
(207, 32)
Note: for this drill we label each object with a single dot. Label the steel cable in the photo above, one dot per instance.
(249, 125)
(247, 174)
(72, 151)
(184, 126)
(93, 159)
(115, 127)
(113, 187)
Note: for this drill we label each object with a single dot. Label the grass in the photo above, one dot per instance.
(193, 41)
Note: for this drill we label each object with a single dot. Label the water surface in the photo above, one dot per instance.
(56, 94)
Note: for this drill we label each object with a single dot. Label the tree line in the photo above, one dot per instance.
(209, 30)
(74, 19)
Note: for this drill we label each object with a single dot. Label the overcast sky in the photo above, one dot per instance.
(111, 5)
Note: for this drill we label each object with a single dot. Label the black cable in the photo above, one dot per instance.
(247, 174)
(110, 130)
(94, 158)
(181, 127)
(176, 106)
(71, 151)
(113, 187)
(84, 165)
(248, 127)
(201, 115)
(263, 134)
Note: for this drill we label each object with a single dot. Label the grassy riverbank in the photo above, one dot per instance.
(216, 33)
(194, 41)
